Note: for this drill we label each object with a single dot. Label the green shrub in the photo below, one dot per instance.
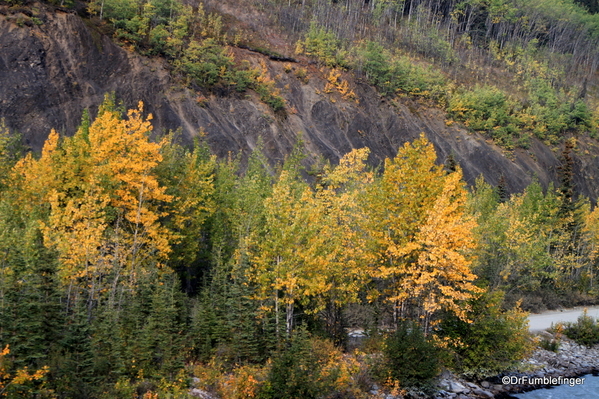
(409, 357)
(204, 62)
(311, 368)
(585, 331)
(580, 115)
(270, 96)
(549, 344)
(158, 38)
(391, 74)
(487, 109)
(242, 78)
(292, 373)
(493, 341)
(324, 46)
(483, 108)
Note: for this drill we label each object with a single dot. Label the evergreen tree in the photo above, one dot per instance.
(450, 163)
(189, 178)
(75, 368)
(572, 212)
(159, 343)
(566, 177)
(502, 190)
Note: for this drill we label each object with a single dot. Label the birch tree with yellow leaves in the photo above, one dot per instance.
(278, 268)
(591, 232)
(103, 199)
(315, 250)
(441, 278)
(422, 234)
(125, 160)
(339, 252)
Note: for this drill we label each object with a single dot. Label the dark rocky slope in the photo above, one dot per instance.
(51, 72)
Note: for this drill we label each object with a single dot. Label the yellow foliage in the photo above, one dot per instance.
(442, 276)
(422, 234)
(243, 383)
(313, 251)
(20, 377)
(334, 82)
(591, 233)
(103, 198)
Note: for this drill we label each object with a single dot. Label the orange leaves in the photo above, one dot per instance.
(423, 235)
(124, 160)
(409, 229)
(442, 274)
(104, 200)
(334, 82)
(20, 378)
(120, 149)
(76, 228)
(244, 382)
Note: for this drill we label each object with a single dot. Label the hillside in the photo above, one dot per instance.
(52, 71)
(293, 199)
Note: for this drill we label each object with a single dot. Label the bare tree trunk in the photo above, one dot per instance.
(289, 319)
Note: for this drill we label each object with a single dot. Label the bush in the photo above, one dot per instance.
(551, 345)
(489, 110)
(206, 62)
(245, 382)
(392, 74)
(409, 357)
(324, 46)
(492, 342)
(585, 331)
(483, 108)
(311, 368)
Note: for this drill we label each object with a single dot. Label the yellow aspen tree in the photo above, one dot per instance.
(76, 224)
(189, 177)
(124, 160)
(421, 234)
(338, 252)
(62, 183)
(591, 234)
(397, 206)
(528, 241)
(35, 179)
(102, 197)
(313, 251)
(277, 266)
(336, 255)
(441, 277)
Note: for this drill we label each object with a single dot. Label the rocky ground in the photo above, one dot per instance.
(543, 368)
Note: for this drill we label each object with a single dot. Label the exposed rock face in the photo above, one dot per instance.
(51, 72)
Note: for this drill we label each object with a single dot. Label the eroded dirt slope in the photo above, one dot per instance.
(50, 73)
